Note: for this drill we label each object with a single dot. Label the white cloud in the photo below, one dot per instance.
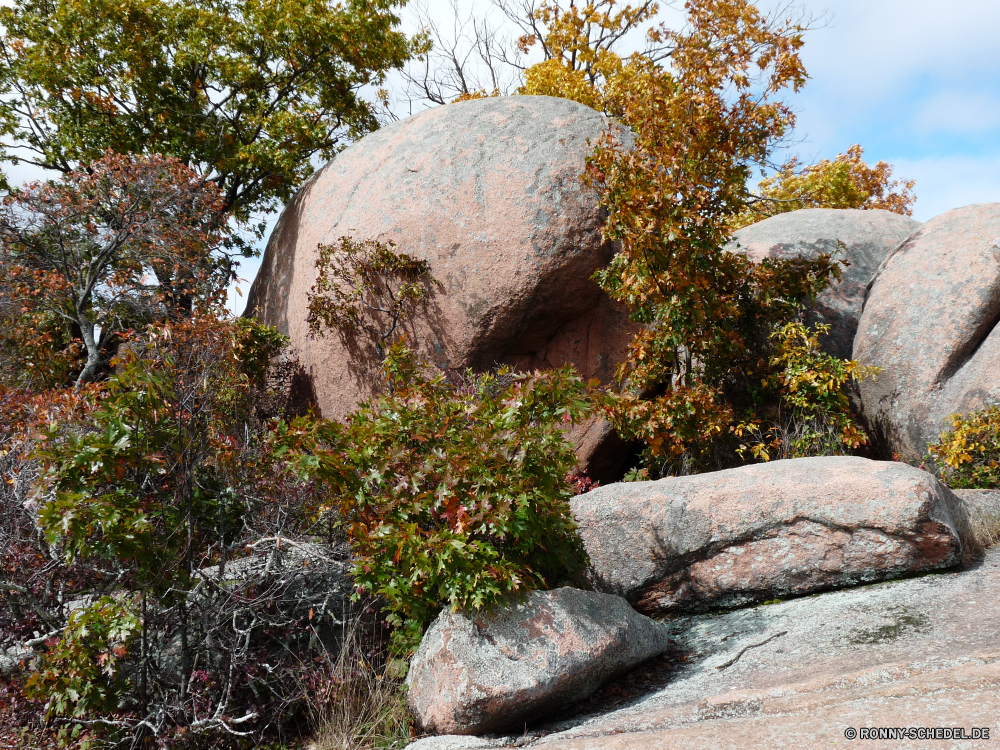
(959, 112)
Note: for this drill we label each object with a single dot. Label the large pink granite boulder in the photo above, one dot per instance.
(488, 192)
(930, 323)
(785, 528)
(486, 672)
(862, 239)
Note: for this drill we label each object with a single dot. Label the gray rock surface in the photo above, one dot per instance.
(751, 534)
(13, 658)
(485, 672)
(488, 192)
(930, 322)
(914, 653)
(863, 239)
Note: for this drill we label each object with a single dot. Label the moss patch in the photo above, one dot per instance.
(904, 621)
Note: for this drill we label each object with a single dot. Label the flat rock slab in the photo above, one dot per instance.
(921, 652)
(863, 239)
(492, 671)
(751, 534)
(930, 322)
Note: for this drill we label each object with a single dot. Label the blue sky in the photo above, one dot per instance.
(918, 85)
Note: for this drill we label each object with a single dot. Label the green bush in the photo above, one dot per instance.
(453, 491)
(151, 488)
(80, 673)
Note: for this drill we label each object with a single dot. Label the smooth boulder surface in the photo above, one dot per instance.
(929, 322)
(765, 531)
(486, 672)
(914, 653)
(489, 193)
(864, 239)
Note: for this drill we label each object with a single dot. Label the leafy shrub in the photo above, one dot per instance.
(81, 674)
(200, 584)
(366, 287)
(704, 357)
(453, 492)
(813, 416)
(968, 455)
(674, 188)
(34, 582)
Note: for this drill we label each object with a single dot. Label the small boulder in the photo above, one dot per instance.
(766, 531)
(930, 322)
(864, 239)
(486, 672)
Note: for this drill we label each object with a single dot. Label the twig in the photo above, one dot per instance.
(736, 658)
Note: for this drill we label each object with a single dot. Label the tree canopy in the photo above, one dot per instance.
(845, 182)
(129, 240)
(245, 93)
(704, 106)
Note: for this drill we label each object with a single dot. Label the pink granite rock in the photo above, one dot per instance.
(784, 528)
(485, 672)
(488, 192)
(917, 653)
(863, 239)
(929, 322)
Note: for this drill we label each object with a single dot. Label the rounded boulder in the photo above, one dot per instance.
(929, 322)
(489, 193)
(861, 239)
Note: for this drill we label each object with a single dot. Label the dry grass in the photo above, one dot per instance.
(984, 516)
(355, 704)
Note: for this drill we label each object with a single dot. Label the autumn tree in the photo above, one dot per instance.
(243, 93)
(126, 240)
(702, 113)
(845, 182)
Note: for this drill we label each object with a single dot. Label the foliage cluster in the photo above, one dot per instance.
(173, 577)
(845, 182)
(127, 241)
(453, 491)
(702, 106)
(244, 93)
(968, 454)
(366, 290)
(81, 676)
(813, 416)
(176, 571)
(671, 188)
